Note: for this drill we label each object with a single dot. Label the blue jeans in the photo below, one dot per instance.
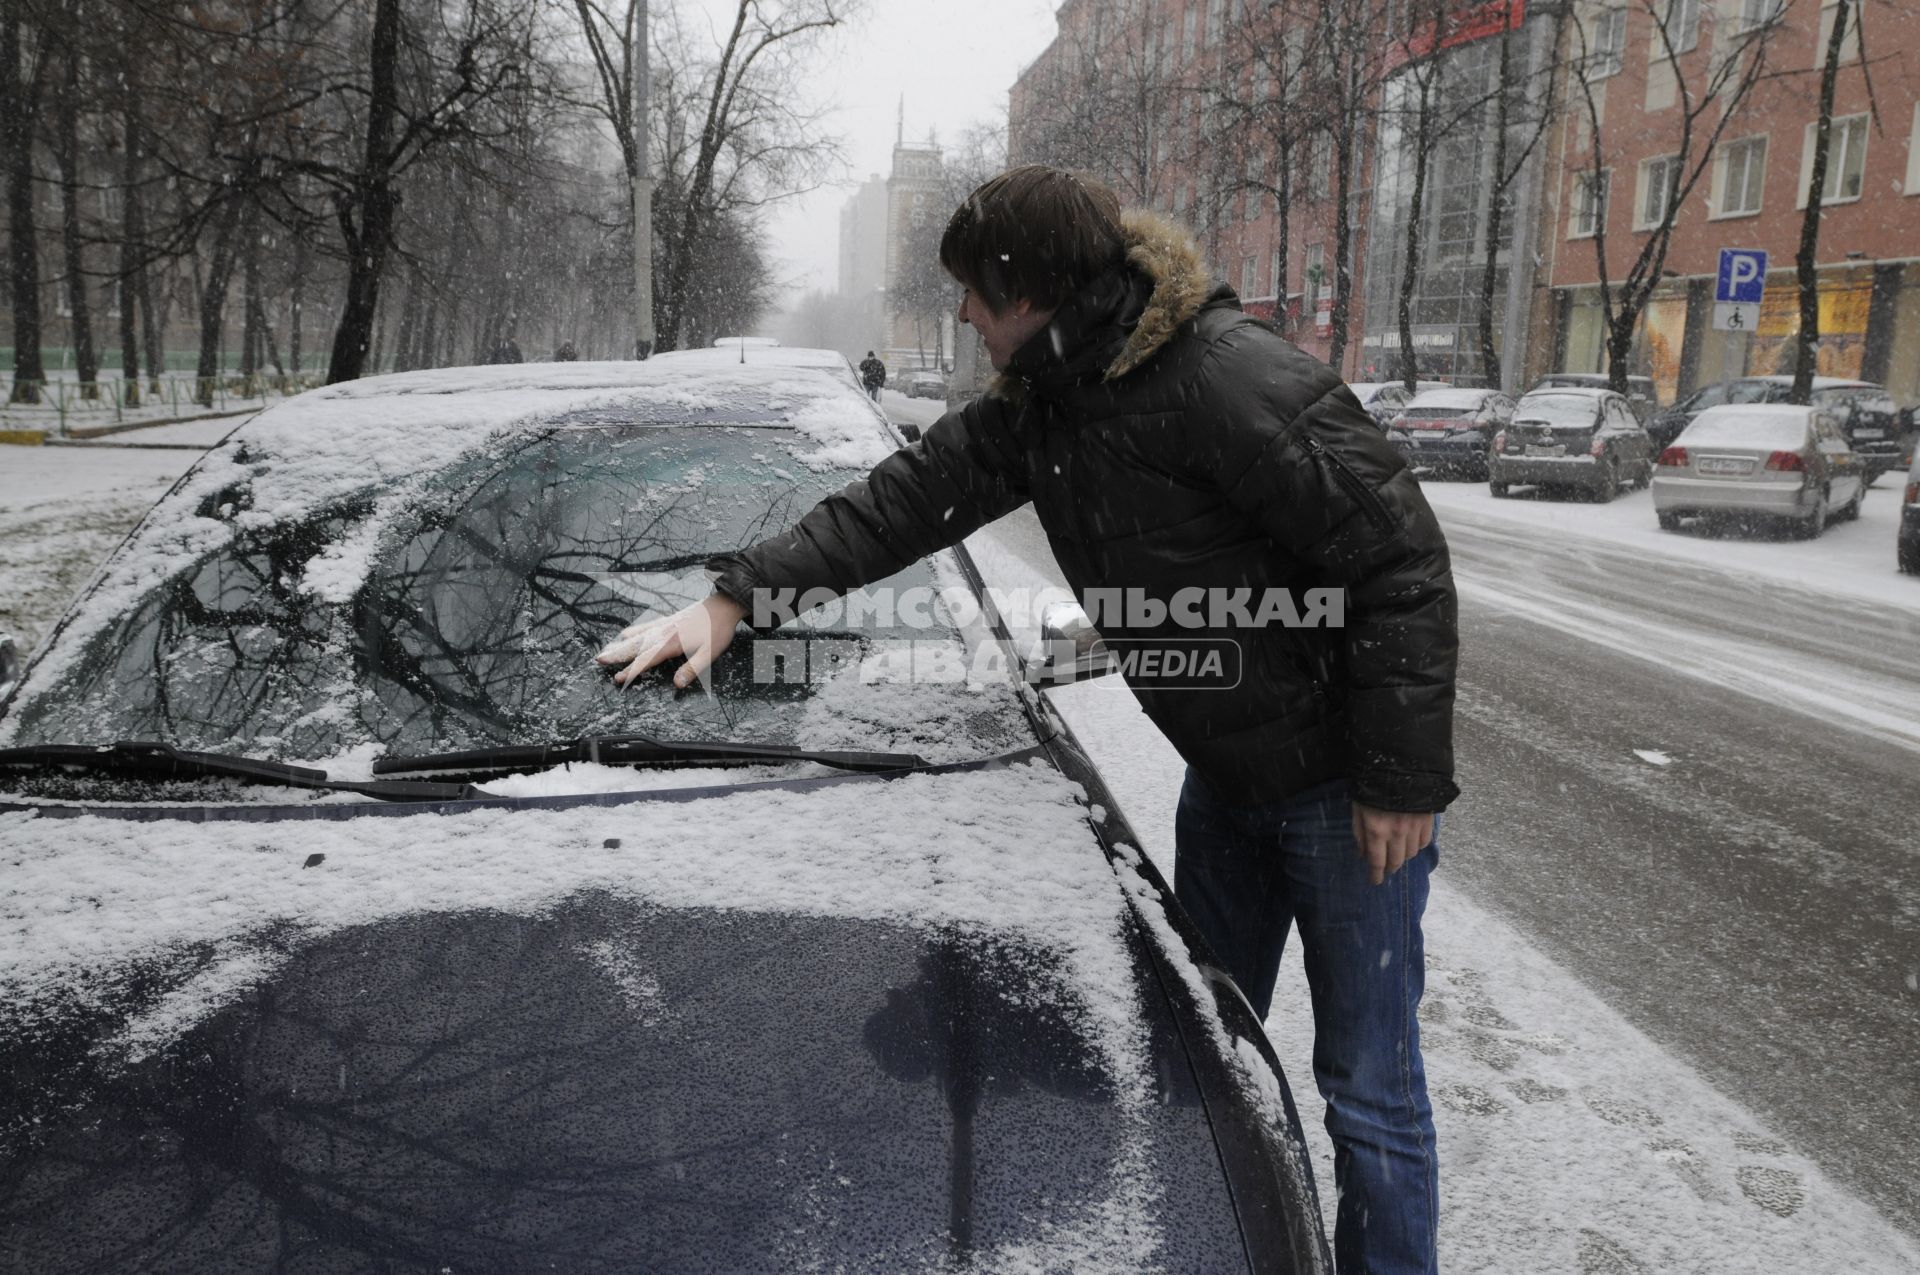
(1246, 874)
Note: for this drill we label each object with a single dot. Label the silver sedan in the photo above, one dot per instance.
(1760, 459)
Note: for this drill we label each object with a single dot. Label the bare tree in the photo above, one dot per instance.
(1807, 343)
(1706, 101)
(23, 58)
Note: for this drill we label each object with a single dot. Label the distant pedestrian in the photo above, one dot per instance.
(873, 375)
(566, 353)
(508, 351)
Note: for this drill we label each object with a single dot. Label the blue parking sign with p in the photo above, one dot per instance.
(1743, 276)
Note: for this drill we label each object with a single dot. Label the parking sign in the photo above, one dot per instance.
(1738, 288)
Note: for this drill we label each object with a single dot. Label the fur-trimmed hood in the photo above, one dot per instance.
(1165, 255)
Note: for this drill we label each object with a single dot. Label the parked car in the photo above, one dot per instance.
(1385, 400)
(1760, 460)
(1907, 544)
(356, 920)
(1872, 423)
(924, 383)
(1449, 431)
(1641, 395)
(1581, 438)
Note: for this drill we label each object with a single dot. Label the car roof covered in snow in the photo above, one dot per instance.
(1449, 398)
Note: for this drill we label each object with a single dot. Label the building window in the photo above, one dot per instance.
(1913, 154)
(1589, 204)
(1319, 166)
(1846, 160)
(1248, 270)
(1606, 43)
(1657, 179)
(1849, 43)
(1187, 32)
(1739, 172)
(1755, 14)
(1682, 25)
(1313, 277)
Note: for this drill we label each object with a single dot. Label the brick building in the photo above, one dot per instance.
(1750, 195)
(1125, 88)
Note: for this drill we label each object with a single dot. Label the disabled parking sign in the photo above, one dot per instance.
(1737, 289)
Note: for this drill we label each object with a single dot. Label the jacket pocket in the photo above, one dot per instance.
(1351, 483)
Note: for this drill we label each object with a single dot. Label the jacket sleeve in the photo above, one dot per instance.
(1298, 453)
(965, 471)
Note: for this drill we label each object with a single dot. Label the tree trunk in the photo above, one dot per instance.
(19, 101)
(213, 301)
(1410, 261)
(86, 359)
(644, 337)
(296, 304)
(153, 327)
(1807, 345)
(132, 249)
(367, 215)
(1283, 211)
(250, 300)
(1343, 222)
(1489, 354)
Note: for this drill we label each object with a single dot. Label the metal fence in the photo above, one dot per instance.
(62, 405)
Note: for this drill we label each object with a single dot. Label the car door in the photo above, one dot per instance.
(1843, 469)
(1634, 446)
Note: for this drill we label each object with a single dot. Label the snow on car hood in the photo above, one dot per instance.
(381, 434)
(985, 851)
(1000, 852)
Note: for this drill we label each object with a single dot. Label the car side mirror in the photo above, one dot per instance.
(1071, 649)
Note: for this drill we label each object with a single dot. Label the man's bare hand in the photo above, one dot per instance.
(700, 633)
(1388, 838)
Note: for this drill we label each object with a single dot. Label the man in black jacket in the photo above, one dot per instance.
(873, 375)
(1169, 444)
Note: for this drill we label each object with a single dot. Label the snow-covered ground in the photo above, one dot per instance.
(62, 510)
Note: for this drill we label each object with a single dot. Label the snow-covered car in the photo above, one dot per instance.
(1907, 545)
(355, 919)
(923, 383)
(1385, 400)
(1448, 432)
(1876, 429)
(1763, 460)
(1642, 396)
(1583, 438)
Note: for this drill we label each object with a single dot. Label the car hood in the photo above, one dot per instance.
(850, 1024)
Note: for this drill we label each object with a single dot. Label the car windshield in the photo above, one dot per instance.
(1557, 409)
(475, 618)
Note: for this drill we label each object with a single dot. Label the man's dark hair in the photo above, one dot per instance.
(1035, 234)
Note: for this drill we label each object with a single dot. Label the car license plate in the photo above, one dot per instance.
(1725, 465)
(1546, 449)
(1869, 433)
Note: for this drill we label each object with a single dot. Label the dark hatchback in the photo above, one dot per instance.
(356, 921)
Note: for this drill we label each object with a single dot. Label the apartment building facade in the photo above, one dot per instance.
(1749, 191)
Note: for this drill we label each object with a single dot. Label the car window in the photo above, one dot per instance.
(1560, 409)
(479, 615)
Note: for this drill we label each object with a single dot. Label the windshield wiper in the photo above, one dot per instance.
(162, 760)
(638, 750)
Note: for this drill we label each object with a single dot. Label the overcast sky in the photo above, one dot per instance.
(952, 59)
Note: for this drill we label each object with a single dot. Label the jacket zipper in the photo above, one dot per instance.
(1355, 485)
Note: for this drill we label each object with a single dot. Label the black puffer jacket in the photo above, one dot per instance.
(1167, 441)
